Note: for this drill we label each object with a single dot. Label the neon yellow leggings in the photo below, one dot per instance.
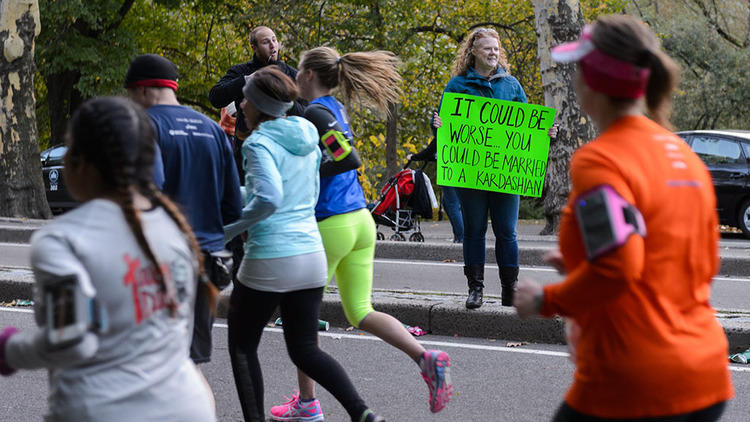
(349, 241)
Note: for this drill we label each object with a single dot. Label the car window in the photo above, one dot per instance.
(746, 147)
(57, 153)
(717, 150)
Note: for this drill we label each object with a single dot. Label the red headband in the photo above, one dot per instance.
(166, 83)
(601, 72)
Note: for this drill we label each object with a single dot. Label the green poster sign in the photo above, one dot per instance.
(493, 145)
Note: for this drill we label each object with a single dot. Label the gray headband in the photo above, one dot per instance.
(263, 102)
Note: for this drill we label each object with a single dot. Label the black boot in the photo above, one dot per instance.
(475, 278)
(508, 279)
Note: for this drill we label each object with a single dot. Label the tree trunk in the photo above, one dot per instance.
(62, 98)
(391, 142)
(21, 187)
(558, 21)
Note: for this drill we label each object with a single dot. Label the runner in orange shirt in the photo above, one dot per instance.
(639, 245)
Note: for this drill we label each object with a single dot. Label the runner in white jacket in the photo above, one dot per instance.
(130, 362)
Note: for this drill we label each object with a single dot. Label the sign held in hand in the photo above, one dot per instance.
(493, 145)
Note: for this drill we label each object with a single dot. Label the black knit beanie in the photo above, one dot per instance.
(151, 70)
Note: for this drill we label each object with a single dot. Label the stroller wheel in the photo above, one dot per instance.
(398, 237)
(380, 236)
(416, 237)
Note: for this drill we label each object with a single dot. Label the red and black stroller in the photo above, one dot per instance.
(405, 198)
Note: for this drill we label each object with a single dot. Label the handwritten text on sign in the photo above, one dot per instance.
(493, 145)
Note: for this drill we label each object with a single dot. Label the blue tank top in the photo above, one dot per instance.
(341, 193)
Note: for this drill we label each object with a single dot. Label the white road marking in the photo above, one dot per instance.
(426, 342)
(21, 310)
(15, 245)
(458, 345)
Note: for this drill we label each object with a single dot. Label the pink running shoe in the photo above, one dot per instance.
(436, 366)
(293, 410)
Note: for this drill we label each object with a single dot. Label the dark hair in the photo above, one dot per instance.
(368, 77)
(276, 84)
(629, 39)
(115, 135)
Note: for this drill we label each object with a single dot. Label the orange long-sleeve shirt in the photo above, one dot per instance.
(650, 343)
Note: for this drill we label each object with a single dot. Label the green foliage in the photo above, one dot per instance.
(205, 37)
(530, 209)
(84, 36)
(713, 91)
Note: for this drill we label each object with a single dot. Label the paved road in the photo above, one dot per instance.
(14, 255)
(447, 277)
(492, 382)
(430, 276)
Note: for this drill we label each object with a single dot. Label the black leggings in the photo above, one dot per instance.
(709, 414)
(249, 311)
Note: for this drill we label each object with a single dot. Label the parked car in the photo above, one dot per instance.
(726, 153)
(54, 183)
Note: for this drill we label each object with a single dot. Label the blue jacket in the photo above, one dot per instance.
(281, 160)
(500, 86)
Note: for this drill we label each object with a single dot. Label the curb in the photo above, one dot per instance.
(528, 254)
(439, 314)
(15, 234)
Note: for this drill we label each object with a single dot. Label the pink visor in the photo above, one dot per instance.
(601, 72)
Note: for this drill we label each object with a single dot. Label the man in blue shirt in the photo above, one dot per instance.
(199, 169)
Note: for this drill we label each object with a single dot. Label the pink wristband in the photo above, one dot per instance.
(5, 369)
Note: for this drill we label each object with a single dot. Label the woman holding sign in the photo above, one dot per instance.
(481, 68)
(639, 245)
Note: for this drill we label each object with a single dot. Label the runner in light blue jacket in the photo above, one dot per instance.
(285, 264)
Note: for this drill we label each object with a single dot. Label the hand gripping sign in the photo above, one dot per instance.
(493, 145)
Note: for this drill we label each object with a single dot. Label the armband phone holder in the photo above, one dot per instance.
(69, 312)
(336, 144)
(606, 220)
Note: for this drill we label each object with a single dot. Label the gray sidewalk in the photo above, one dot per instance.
(442, 313)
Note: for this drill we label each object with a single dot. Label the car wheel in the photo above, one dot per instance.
(743, 219)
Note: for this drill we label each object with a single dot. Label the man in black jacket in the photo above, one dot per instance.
(229, 88)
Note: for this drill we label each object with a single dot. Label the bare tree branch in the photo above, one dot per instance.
(205, 48)
(711, 18)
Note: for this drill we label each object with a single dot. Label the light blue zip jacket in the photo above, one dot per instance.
(281, 160)
(500, 86)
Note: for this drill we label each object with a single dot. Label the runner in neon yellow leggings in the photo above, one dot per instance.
(345, 224)
(349, 242)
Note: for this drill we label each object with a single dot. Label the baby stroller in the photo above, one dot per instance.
(404, 198)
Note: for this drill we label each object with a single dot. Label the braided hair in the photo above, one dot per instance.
(116, 136)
